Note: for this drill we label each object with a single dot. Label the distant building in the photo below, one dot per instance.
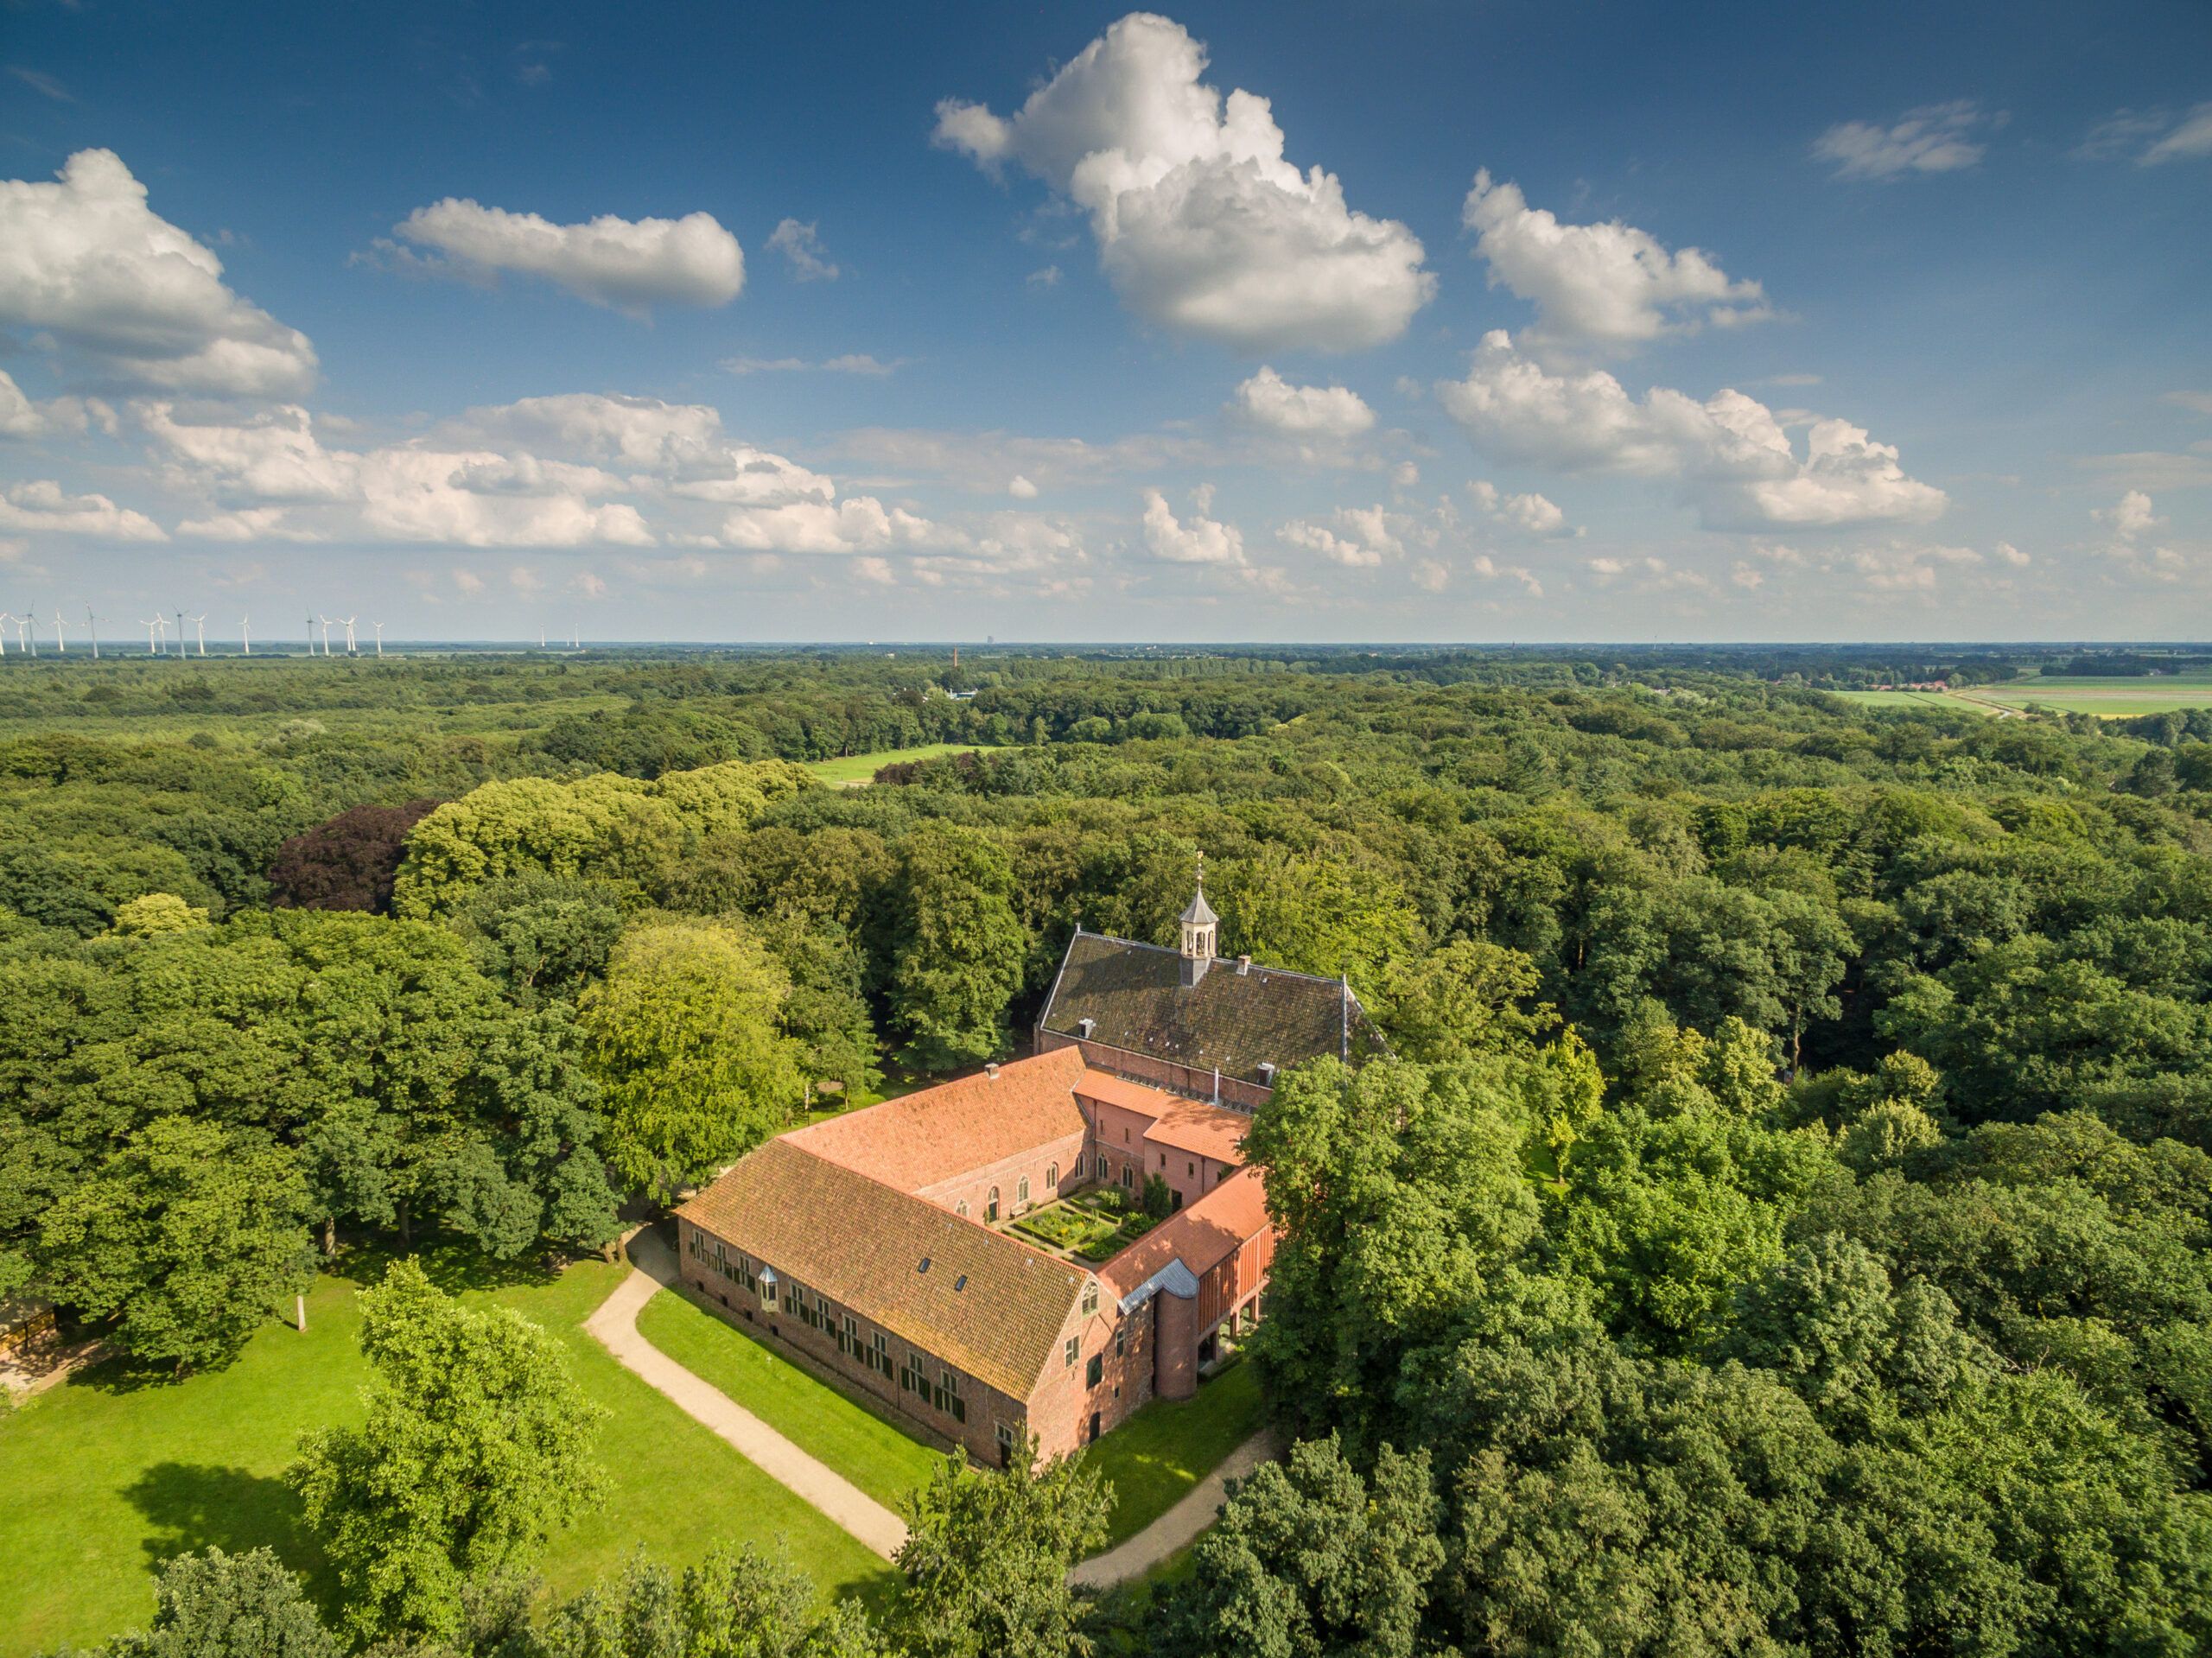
(878, 1243)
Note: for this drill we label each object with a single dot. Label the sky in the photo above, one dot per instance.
(1401, 321)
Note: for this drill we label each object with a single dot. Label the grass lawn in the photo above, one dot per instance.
(851, 770)
(1163, 1450)
(106, 1479)
(858, 1439)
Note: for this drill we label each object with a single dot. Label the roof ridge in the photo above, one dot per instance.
(1169, 949)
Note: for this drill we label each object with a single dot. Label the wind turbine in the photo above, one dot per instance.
(325, 632)
(180, 633)
(25, 639)
(245, 633)
(541, 636)
(352, 649)
(92, 627)
(159, 624)
(379, 628)
(199, 627)
(4, 619)
(60, 645)
(574, 642)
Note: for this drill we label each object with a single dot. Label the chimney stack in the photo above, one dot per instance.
(991, 1071)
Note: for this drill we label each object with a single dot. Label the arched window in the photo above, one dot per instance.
(961, 1208)
(1052, 1178)
(991, 1209)
(1021, 1189)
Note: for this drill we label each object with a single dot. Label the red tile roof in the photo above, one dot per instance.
(1201, 1237)
(935, 1133)
(1187, 1125)
(988, 1303)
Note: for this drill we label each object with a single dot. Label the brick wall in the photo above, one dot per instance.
(973, 1186)
(986, 1406)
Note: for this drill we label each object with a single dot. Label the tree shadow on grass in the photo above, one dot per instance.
(453, 1267)
(193, 1505)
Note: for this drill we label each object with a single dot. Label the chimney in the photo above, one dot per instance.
(991, 1071)
(1244, 965)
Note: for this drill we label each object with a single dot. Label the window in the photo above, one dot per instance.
(848, 1339)
(1021, 1189)
(991, 1208)
(1121, 1340)
(911, 1375)
(1129, 1177)
(1093, 1372)
(1052, 1178)
(1006, 1444)
(1090, 1297)
(1163, 1159)
(961, 1208)
(880, 1358)
(822, 1312)
(1073, 1348)
(1192, 1170)
(947, 1397)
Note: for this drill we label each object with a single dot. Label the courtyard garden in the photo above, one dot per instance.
(1094, 1225)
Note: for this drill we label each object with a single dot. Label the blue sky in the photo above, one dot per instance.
(720, 322)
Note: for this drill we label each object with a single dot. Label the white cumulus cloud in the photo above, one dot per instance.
(1197, 540)
(87, 263)
(1934, 139)
(627, 264)
(1608, 286)
(1731, 451)
(1272, 403)
(1201, 223)
(41, 507)
(1531, 514)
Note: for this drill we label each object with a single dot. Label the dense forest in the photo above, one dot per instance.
(1784, 1223)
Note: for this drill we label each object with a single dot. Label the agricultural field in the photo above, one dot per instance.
(850, 771)
(2110, 698)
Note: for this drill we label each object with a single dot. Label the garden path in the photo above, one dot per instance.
(615, 1326)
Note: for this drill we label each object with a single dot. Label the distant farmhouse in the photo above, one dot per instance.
(969, 1253)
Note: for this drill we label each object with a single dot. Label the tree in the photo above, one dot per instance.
(957, 948)
(348, 862)
(1465, 997)
(188, 1238)
(1310, 1559)
(153, 913)
(987, 1556)
(735, 1603)
(684, 1035)
(476, 1447)
(218, 1606)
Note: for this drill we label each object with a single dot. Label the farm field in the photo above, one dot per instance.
(106, 1479)
(850, 771)
(2113, 698)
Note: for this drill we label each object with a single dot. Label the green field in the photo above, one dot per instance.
(851, 770)
(858, 1439)
(106, 1479)
(2113, 699)
(1163, 1450)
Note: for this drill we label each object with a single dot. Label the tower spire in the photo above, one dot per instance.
(1200, 930)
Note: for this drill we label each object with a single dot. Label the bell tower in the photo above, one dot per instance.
(1200, 929)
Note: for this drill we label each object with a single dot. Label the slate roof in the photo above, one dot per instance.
(1201, 1237)
(934, 1134)
(1235, 1020)
(988, 1304)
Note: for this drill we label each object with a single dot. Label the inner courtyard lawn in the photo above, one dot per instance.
(105, 1476)
(857, 1440)
(1166, 1448)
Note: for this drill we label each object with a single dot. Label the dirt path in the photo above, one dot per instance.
(1180, 1526)
(615, 1325)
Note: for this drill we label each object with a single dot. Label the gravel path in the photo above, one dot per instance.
(1180, 1526)
(615, 1325)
